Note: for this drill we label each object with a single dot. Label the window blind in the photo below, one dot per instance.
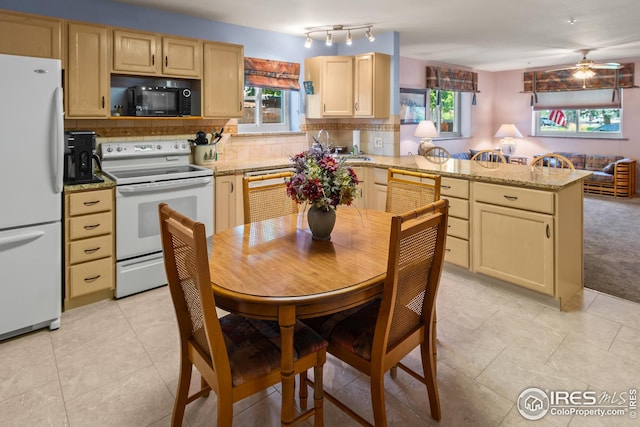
(575, 100)
(269, 74)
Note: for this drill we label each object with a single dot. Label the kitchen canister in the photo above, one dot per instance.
(356, 142)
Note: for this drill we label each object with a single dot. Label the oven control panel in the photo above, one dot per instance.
(114, 150)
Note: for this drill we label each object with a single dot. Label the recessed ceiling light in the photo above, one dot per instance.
(572, 21)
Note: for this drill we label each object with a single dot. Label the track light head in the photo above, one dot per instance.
(329, 40)
(308, 41)
(349, 40)
(369, 35)
(331, 29)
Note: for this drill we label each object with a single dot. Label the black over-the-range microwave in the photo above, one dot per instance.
(154, 101)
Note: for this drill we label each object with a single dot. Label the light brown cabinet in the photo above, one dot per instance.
(229, 203)
(457, 192)
(223, 81)
(87, 76)
(332, 78)
(372, 85)
(31, 35)
(143, 53)
(89, 246)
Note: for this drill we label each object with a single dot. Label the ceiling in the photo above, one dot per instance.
(489, 35)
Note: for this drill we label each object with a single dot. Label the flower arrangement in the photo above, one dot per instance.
(322, 180)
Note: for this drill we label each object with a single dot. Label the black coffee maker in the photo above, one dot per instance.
(79, 154)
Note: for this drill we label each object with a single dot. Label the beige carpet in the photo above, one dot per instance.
(612, 246)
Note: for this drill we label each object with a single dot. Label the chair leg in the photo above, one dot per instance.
(302, 393)
(377, 400)
(182, 393)
(225, 409)
(203, 386)
(429, 369)
(318, 391)
(394, 371)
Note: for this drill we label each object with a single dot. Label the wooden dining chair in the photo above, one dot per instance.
(437, 154)
(408, 190)
(489, 158)
(236, 356)
(376, 337)
(265, 197)
(552, 163)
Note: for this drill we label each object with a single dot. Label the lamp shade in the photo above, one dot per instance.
(426, 129)
(508, 131)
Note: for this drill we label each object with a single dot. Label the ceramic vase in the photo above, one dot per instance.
(321, 222)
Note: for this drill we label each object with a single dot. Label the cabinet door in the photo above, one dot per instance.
(88, 72)
(182, 57)
(28, 35)
(136, 52)
(337, 86)
(362, 201)
(514, 245)
(223, 93)
(372, 87)
(228, 206)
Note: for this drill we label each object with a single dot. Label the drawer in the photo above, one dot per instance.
(514, 197)
(380, 176)
(457, 252)
(458, 228)
(90, 277)
(90, 249)
(90, 202)
(90, 225)
(458, 208)
(454, 187)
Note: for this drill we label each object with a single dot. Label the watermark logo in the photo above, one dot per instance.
(533, 403)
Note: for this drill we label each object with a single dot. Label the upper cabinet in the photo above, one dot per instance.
(152, 54)
(371, 85)
(29, 35)
(349, 86)
(332, 78)
(87, 77)
(223, 82)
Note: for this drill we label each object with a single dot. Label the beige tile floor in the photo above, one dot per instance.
(114, 363)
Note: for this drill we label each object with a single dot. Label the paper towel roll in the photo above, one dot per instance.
(356, 140)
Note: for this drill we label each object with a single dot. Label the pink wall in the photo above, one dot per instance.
(500, 101)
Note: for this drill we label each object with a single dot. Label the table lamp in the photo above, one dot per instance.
(425, 131)
(508, 144)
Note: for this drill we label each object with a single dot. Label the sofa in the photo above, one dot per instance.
(612, 175)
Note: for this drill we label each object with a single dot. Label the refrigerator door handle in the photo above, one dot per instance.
(13, 241)
(58, 157)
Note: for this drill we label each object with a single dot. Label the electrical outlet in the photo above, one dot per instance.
(378, 142)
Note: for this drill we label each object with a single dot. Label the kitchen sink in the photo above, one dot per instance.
(353, 157)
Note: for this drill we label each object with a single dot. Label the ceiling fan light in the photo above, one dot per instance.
(308, 41)
(584, 74)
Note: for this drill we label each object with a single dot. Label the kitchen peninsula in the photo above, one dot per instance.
(510, 223)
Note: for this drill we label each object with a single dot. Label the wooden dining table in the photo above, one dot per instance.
(273, 269)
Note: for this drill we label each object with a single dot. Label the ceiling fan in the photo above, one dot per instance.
(584, 68)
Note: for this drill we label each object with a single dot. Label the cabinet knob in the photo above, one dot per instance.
(166, 61)
(153, 59)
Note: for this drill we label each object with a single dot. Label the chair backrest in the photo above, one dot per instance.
(489, 158)
(408, 190)
(265, 196)
(437, 154)
(187, 267)
(552, 163)
(416, 256)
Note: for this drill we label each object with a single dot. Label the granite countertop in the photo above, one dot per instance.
(108, 183)
(506, 174)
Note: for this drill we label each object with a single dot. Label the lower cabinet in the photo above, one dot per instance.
(89, 247)
(457, 192)
(229, 205)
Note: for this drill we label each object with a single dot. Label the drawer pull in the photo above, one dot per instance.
(447, 250)
(91, 227)
(511, 198)
(446, 187)
(92, 251)
(92, 279)
(548, 232)
(95, 202)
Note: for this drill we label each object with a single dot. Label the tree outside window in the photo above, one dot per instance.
(444, 111)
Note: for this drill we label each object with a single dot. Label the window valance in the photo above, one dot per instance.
(270, 74)
(563, 80)
(443, 78)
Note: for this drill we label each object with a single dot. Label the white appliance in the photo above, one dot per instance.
(146, 174)
(31, 170)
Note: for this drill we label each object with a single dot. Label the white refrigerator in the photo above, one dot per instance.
(31, 170)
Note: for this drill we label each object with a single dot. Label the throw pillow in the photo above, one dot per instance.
(609, 168)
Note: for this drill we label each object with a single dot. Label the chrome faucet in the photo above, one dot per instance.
(326, 132)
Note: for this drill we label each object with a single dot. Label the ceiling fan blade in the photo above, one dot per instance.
(560, 69)
(607, 66)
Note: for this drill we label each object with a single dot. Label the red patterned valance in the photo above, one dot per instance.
(271, 74)
(443, 78)
(563, 80)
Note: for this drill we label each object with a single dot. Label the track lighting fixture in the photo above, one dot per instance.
(333, 29)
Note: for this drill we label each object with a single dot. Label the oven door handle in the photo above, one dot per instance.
(153, 187)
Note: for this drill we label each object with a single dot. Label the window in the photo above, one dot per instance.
(446, 113)
(578, 123)
(265, 110)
